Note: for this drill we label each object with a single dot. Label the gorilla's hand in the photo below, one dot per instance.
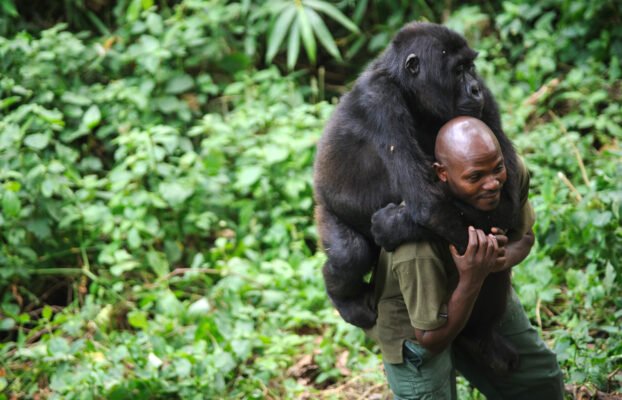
(392, 226)
(387, 224)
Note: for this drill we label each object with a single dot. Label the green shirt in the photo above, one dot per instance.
(414, 283)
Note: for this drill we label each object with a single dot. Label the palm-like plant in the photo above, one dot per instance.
(300, 21)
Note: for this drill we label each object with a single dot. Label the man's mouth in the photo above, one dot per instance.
(490, 196)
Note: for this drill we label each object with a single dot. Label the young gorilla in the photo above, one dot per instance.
(376, 151)
(426, 291)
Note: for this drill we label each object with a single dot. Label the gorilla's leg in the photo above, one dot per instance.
(350, 257)
(480, 336)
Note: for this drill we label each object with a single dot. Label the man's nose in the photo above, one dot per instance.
(492, 184)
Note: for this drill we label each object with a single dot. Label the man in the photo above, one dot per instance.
(425, 291)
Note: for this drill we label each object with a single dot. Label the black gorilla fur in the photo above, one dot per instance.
(377, 151)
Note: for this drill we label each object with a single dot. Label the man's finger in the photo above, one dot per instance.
(502, 240)
(492, 245)
(482, 245)
(497, 231)
(454, 252)
(472, 245)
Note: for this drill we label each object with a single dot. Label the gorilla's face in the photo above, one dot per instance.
(437, 69)
(468, 95)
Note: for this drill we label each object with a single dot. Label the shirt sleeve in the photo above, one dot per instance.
(423, 283)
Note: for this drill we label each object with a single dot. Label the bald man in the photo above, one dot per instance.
(425, 291)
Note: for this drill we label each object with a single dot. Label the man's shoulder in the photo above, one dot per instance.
(416, 250)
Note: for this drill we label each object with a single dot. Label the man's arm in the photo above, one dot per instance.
(477, 262)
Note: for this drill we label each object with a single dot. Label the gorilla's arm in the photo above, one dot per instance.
(427, 209)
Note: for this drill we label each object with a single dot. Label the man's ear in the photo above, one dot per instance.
(441, 171)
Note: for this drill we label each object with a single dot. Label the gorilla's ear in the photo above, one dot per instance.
(412, 64)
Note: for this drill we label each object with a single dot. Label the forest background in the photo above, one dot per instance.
(156, 229)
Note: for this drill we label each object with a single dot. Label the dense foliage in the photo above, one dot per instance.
(156, 234)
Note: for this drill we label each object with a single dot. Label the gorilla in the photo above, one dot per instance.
(374, 163)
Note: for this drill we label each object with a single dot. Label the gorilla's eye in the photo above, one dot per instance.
(459, 69)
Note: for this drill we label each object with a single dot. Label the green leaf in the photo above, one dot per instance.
(307, 34)
(279, 29)
(248, 176)
(37, 141)
(175, 193)
(138, 319)
(293, 46)
(9, 8)
(92, 117)
(158, 263)
(7, 324)
(332, 12)
(179, 84)
(46, 313)
(133, 239)
(58, 346)
(610, 277)
(11, 205)
(199, 307)
(323, 34)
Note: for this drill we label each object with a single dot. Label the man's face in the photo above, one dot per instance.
(476, 178)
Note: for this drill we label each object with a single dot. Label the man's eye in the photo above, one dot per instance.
(499, 168)
(473, 178)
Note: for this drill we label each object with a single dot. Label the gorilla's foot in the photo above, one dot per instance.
(357, 311)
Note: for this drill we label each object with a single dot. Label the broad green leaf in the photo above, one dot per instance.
(179, 84)
(9, 8)
(92, 117)
(37, 141)
(175, 193)
(293, 46)
(199, 307)
(154, 361)
(11, 205)
(182, 367)
(279, 29)
(248, 176)
(77, 99)
(610, 277)
(119, 268)
(323, 34)
(138, 319)
(275, 154)
(46, 313)
(332, 12)
(58, 346)
(54, 117)
(133, 239)
(307, 34)
(7, 324)
(158, 263)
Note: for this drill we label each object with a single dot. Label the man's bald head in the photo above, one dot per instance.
(463, 138)
(470, 162)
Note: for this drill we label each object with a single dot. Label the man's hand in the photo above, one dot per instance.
(513, 252)
(480, 257)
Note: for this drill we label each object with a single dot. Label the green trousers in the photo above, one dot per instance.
(423, 375)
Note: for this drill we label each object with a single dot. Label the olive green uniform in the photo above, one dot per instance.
(412, 288)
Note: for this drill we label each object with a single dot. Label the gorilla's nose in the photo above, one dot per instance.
(474, 90)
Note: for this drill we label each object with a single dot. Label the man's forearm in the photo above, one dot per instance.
(459, 311)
